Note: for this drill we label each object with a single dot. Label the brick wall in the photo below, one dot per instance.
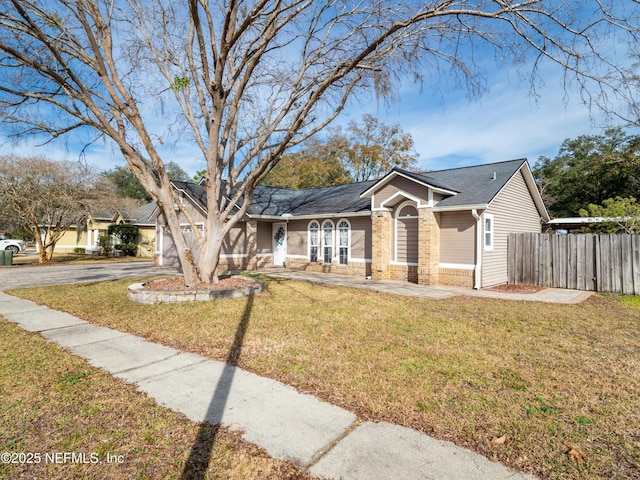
(457, 277)
(428, 246)
(381, 230)
(405, 273)
(251, 231)
(233, 264)
(354, 269)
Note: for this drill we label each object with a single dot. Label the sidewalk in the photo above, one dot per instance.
(327, 440)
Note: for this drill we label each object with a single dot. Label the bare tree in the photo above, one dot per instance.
(250, 79)
(376, 148)
(48, 198)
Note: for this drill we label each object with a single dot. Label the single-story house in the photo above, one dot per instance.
(447, 227)
(94, 225)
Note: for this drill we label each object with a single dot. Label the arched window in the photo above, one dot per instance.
(314, 241)
(343, 241)
(327, 241)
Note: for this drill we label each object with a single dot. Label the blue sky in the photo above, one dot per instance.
(506, 123)
(448, 129)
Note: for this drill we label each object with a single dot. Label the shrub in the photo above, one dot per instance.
(128, 249)
(106, 245)
(126, 233)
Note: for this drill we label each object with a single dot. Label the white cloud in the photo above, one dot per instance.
(504, 124)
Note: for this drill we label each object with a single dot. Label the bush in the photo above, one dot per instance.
(127, 235)
(79, 250)
(125, 232)
(105, 244)
(128, 249)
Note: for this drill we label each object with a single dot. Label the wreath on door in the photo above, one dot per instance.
(279, 236)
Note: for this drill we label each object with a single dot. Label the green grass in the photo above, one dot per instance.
(463, 369)
(52, 402)
(631, 301)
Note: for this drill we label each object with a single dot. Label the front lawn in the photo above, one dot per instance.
(548, 389)
(60, 418)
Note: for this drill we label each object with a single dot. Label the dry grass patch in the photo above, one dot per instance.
(54, 402)
(73, 258)
(523, 383)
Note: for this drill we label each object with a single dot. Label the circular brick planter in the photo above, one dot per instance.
(145, 293)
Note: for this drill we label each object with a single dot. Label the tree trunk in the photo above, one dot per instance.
(185, 255)
(210, 256)
(43, 255)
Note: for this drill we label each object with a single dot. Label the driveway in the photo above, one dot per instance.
(58, 274)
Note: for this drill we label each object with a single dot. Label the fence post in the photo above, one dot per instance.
(635, 254)
(626, 264)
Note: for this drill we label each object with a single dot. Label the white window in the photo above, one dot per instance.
(488, 231)
(314, 241)
(343, 241)
(327, 241)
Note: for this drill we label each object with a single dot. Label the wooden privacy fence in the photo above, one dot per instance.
(602, 263)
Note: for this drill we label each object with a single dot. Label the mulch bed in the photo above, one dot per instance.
(177, 283)
(509, 288)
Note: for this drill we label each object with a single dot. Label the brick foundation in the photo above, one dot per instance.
(456, 277)
(232, 264)
(405, 273)
(354, 269)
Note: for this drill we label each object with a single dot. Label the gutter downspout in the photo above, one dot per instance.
(477, 274)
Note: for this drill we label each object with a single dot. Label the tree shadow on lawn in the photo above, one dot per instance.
(196, 466)
(292, 285)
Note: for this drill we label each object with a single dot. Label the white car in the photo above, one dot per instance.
(16, 246)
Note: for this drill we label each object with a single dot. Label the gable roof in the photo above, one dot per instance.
(423, 179)
(142, 215)
(479, 184)
(463, 187)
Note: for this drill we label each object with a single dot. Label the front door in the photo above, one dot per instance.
(279, 244)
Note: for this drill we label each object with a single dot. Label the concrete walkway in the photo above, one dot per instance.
(549, 295)
(327, 440)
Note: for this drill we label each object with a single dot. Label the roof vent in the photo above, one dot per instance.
(494, 176)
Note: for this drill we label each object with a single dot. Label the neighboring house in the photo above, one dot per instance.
(93, 226)
(446, 227)
(144, 217)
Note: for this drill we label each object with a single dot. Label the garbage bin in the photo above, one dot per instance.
(6, 257)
